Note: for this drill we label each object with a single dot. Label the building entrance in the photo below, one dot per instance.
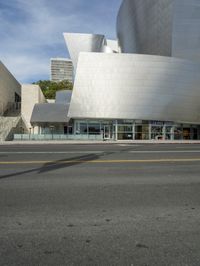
(106, 132)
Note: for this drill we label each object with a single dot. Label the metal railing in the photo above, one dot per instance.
(56, 137)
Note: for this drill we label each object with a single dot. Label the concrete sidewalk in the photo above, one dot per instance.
(120, 142)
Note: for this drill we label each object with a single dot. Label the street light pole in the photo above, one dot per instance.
(29, 133)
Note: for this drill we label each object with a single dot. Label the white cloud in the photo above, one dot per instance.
(24, 46)
(27, 68)
(31, 33)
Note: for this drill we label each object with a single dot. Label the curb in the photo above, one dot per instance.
(132, 142)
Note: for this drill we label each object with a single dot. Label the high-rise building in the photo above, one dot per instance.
(61, 69)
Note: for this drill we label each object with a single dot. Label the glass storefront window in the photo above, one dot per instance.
(83, 128)
(145, 131)
(138, 132)
(142, 132)
(125, 136)
(94, 129)
(157, 132)
(186, 133)
(195, 133)
(125, 132)
(125, 128)
(178, 133)
(168, 134)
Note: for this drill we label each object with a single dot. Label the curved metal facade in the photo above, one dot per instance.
(186, 30)
(145, 26)
(77, 42)
(124, 86)
(157, 75)
(160, 27)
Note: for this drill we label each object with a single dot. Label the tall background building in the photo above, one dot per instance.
(61, 69)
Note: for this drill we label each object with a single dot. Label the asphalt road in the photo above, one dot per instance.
(100, 205)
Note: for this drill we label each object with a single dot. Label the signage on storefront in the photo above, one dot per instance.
(161, 123)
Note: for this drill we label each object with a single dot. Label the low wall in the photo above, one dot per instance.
(56, 137)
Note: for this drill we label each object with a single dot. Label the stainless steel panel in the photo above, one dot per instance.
(145, 26)
(78, 42)
(128, 86)
(160, 27)
(186, 30)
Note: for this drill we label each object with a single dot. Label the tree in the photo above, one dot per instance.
(49, 88)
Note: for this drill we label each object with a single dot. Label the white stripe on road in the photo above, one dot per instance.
(50, 152)
(189, 151)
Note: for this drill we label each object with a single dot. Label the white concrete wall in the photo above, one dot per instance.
(31, 94)
(50, 100)
(8, 86)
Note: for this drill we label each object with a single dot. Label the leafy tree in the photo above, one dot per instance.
(49, 88)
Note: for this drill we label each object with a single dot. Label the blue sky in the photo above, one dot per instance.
(31, 31)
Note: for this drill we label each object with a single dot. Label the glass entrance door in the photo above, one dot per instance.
(106, 132)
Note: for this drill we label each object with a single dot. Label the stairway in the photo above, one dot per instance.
(7, 126)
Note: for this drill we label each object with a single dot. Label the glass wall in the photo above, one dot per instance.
(187, 133)
(141, 130)
(137, 130)
(104, 128)
(178, 132)
(54, 128)
(145, 130)
(169, 132)
(82, 128)
(88, 128)
(157, 132)
(125, 131)
(94, 128)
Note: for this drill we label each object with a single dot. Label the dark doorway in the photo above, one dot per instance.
(65, 130)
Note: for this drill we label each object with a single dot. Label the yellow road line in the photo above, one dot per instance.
(102, 161)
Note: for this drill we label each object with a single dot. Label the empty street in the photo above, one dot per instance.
(109, 204)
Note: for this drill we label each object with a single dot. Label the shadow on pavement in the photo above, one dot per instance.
(67, 162)
(58, 164)
(64, 163)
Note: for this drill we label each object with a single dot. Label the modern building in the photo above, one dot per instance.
(10, 90)
(53, 116)
(31, 95)
(61, 69)
(145, 85)
(10, 104)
